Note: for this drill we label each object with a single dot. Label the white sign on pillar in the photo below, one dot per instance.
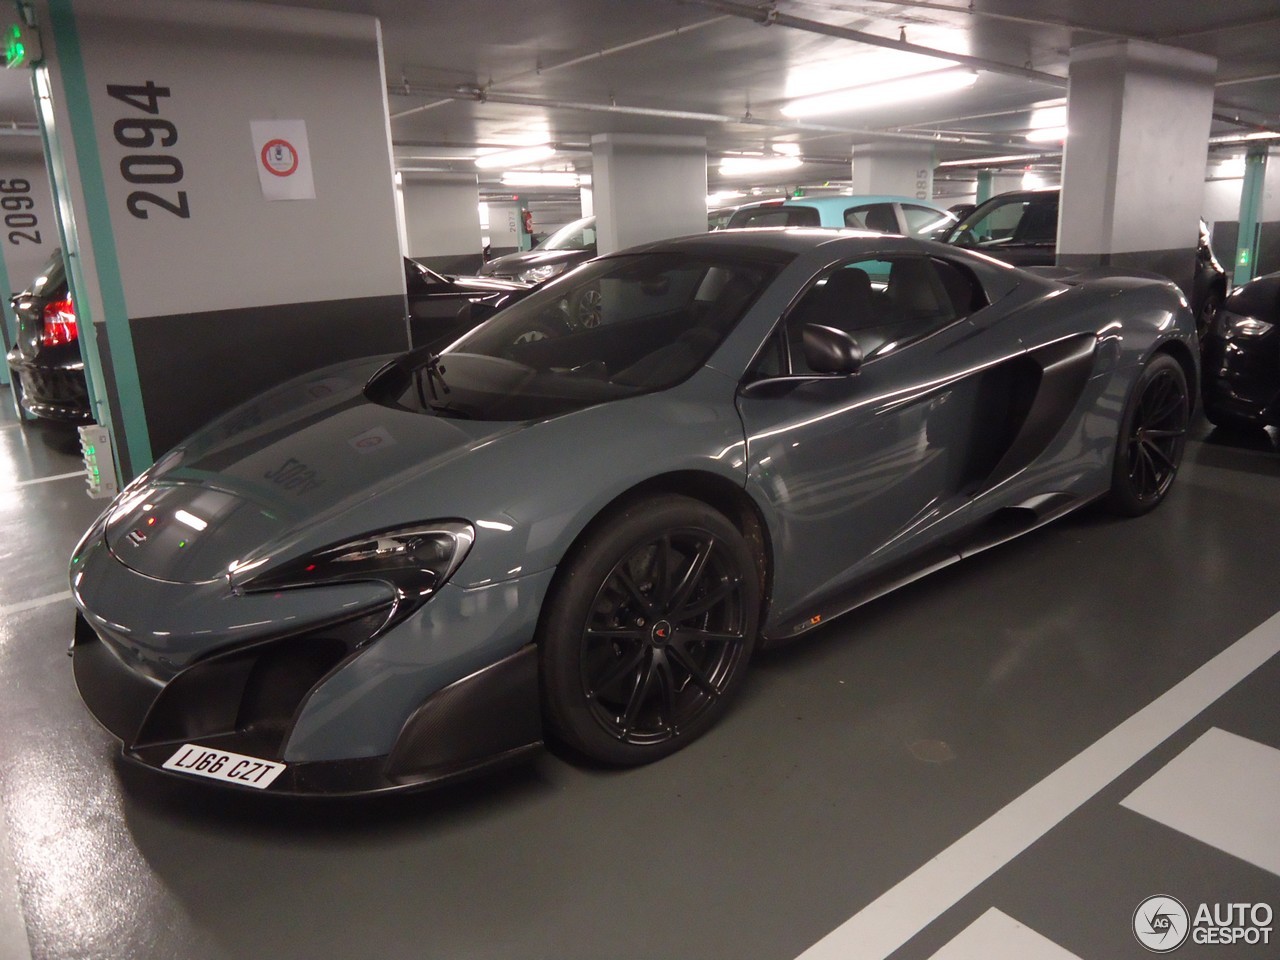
(283, 158)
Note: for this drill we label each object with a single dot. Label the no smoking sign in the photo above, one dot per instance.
(283, 159)
(280, 157)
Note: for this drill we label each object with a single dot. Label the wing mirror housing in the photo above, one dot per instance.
(831, 351)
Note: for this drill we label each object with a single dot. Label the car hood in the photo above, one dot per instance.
(533, 258)
(265, 483)
(488, 284)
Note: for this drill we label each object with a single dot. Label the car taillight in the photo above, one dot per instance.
(59, 323)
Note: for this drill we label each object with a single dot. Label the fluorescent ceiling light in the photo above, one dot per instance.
(1047, 135)
(723, 197)
(515, 157)
(994, 161)
(538, 178)
(1048, 125)
(750, 166)
(1245, 137)
(917, 87)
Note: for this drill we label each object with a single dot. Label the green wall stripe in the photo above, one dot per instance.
(102, 237)
(9, 320)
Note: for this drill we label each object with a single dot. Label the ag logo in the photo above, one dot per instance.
(1161, 924)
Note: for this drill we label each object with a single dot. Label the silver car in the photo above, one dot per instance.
(397, 571)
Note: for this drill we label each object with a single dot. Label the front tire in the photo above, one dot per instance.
(649, 631)
(1153, 434)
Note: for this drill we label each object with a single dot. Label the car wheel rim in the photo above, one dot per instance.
(589, 308)
(664, 637)
(1155, 444)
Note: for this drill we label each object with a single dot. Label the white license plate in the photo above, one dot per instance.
(221, 765)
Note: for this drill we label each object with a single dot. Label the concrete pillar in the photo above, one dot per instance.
(28, 226)
(442, 220)
(1251, 194)
(647, 188)
(903, 170)
(229, 208)
(1133, 164)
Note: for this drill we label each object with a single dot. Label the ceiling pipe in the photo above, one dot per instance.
(480, 95)
(572, 62)
(769, 16)
(1057, 22)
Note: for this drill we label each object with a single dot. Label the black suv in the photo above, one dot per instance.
(1021, 228)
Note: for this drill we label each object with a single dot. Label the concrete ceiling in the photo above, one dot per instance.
(465, 76)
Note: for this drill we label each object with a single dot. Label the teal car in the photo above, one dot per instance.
(906, 216)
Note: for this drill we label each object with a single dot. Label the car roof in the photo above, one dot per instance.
(779, 242)
(841, 201)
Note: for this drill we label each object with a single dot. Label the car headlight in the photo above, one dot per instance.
(544, 272)
(414, 561)
(1233, 325)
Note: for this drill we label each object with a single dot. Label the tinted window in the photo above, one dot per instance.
(1016, 220)
(883, 304)
(872, 216)
(612, 329)
(924, 222)
(578, 235)
(777, 217)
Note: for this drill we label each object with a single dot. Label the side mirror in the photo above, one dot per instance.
(831, 351)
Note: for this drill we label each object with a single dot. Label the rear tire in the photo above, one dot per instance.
(649, 632)
(1153, 434)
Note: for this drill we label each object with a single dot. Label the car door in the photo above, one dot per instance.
(865, 474)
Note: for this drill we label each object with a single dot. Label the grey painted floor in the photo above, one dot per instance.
(916, 727)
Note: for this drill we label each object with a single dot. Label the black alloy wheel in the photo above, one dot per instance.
(650, 632)
(1153, 433)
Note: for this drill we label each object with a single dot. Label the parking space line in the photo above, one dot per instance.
(13, 925)
(997, 936)
(34, 603)
(59, 476)
(900, 913)
(1221, 791)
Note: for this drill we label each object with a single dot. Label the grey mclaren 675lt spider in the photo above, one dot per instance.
(397, 571)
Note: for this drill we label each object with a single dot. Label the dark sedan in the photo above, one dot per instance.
(572, 244)
(1242, 357)
(45, 364)
(441, 308)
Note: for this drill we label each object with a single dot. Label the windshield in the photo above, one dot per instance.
(578, 235)
(613, 328)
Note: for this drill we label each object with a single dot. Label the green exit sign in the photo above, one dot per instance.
(21, 45)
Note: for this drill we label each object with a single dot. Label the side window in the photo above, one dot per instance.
(963, 288)
(803, 217)
(883, 304)
(766, 217)
(872, 216)
(923, 222)
(1000, 223)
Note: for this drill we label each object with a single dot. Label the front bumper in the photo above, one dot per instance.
(487, 719)
(449, 692)
(1241, 379)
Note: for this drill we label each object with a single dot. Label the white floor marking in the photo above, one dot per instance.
(900, 913)
(13, 926)
(33, 604)
(27, 483)
(1222, 790)
(997, 936)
